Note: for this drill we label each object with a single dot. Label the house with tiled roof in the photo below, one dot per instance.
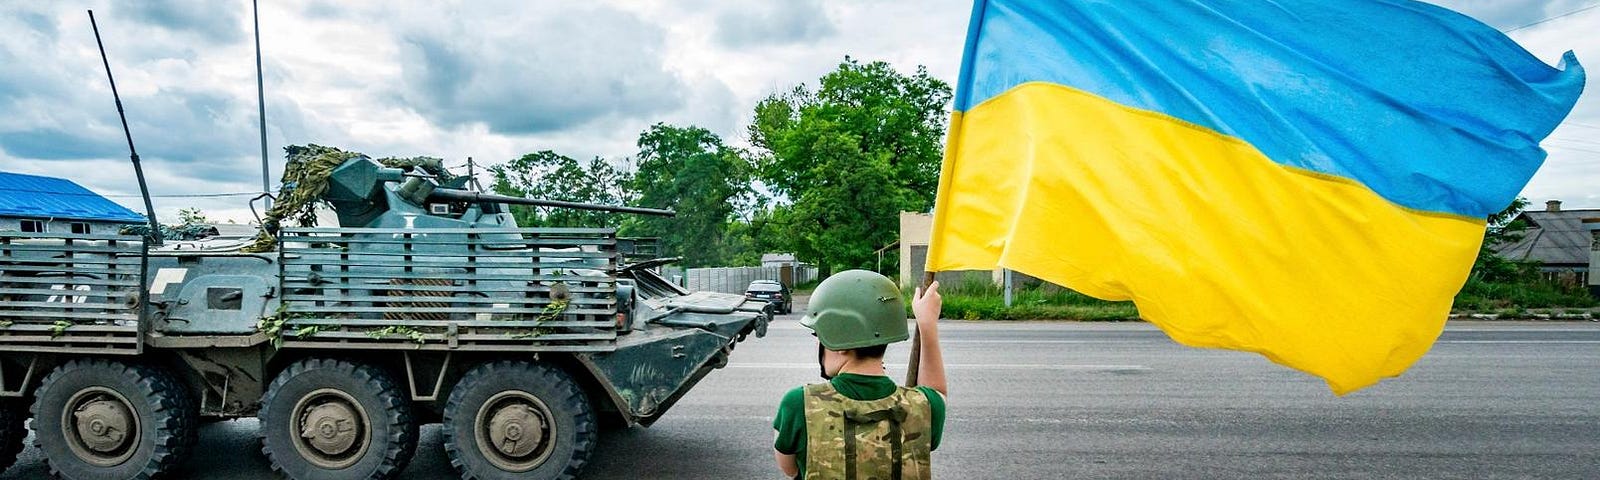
(33, 203)
(1558, 240)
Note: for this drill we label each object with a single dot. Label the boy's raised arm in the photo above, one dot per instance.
(925, 306)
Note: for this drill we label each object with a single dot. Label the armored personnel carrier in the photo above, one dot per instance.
(427, 304)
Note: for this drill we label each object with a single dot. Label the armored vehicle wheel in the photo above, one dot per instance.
(12, 414)
(518, 420)
(334, 419)
(103, 419)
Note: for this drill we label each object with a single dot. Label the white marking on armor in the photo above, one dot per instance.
(68, 298)
(167, 276)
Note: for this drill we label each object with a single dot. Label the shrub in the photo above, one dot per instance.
(979, 301)
(1533, 292)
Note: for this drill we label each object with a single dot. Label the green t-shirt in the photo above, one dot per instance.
(791, 420)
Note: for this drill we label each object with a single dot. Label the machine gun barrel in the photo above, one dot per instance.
(470, 196)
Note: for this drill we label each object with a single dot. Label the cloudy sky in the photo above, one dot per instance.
(495, 79)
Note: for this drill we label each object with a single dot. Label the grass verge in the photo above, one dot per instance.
(1481, 296)
(984, 302)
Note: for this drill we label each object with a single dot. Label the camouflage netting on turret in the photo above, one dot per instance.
(305, 179)
(187, 231)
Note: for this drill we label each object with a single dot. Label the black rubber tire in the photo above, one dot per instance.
(13, 414)
(159, 402)
(573, 418)
(190, 407)
(393, 431)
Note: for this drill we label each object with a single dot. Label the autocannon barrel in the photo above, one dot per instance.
(470, 196)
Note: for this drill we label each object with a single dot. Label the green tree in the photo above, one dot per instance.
(849, 156)
(689, 170)
(191, 216)
(1504, 228)
(551, 176)
(764, 231)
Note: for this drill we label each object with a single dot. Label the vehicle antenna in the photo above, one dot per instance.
(261, 107)
(138, 171)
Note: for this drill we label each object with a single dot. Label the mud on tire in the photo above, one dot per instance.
(521, 420)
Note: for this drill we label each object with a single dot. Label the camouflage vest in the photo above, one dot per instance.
(885, 439)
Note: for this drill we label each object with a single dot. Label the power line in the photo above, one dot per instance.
(191, 195)
(1574, 140)
(1568, 14)
(1573, 148)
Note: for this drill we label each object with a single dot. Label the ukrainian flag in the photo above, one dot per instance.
(1304, 179)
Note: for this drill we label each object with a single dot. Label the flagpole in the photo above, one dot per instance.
(916, 339)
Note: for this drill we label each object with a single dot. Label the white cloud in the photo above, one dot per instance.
(1572, 171)
(495, 80)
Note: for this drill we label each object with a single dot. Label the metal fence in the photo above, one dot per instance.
(735, 279)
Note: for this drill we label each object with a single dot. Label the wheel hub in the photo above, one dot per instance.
(515, 430)
(103, 425)
(331, 428)
(100, 426)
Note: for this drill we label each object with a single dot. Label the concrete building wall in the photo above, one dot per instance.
(736, 279)
(916, 229)
(60, 225)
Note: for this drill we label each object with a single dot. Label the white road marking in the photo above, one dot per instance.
(677, 417)
(997, 366)
(1048, 342)
(1522, 330)
(1070, 342)
(1574, 342)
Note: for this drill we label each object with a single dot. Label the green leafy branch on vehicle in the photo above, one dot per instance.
(306, 331)
(273, 325)
(415, 335)
(59, 328)
(534, 333)
(276, 326)
(553, 310)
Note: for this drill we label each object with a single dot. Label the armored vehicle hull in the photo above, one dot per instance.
(344, 340)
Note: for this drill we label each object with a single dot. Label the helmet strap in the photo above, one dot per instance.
(821, 366)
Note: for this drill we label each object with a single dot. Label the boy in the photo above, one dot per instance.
(860, 424)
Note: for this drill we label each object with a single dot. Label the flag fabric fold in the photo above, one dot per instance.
(1303, 179)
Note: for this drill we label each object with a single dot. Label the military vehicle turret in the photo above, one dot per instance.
(426, 304)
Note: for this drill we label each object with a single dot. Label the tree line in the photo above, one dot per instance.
(826, 175)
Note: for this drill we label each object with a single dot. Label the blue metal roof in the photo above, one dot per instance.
(48, 197)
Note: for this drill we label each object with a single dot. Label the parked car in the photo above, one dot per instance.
(772, 292)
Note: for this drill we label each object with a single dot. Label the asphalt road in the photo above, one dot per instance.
(1068, 400)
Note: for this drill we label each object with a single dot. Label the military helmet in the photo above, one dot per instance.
(855, 309)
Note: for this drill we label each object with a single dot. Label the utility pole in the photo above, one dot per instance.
(1006, 280)
(472, 173)
(261, 105)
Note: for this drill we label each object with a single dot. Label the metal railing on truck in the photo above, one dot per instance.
(71, 293)
(530, 289)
